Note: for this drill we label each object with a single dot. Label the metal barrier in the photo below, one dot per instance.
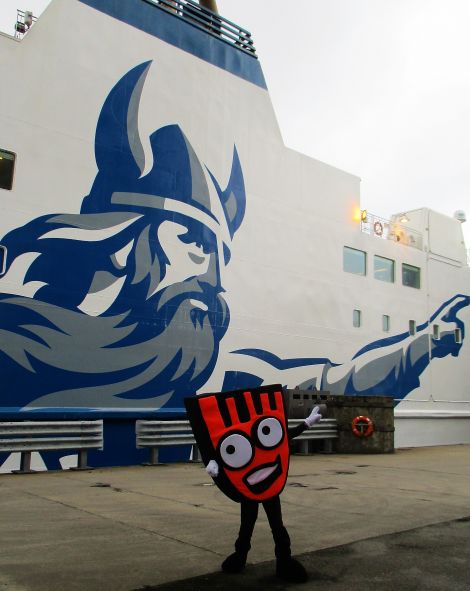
(29, 436)
(210, 22)
(392, 229)
(326, 430)
(156, 434)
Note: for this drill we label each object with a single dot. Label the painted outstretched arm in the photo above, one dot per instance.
(394, 365)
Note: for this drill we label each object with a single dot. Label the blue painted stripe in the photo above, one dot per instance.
(283, 364)
(172, 29)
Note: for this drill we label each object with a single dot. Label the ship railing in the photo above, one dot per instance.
(24, 21)
(391, 230)
(210, 22)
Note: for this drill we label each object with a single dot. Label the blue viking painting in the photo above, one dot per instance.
(121, 305)
(125, 326)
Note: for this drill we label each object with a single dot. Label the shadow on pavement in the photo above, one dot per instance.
(436, 557)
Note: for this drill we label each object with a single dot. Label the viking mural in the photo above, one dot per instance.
(120, 306)
(134, 313)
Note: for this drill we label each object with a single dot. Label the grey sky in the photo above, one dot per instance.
(380, 88)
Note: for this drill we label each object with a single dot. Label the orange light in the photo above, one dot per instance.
(363, 215)
(357, 214)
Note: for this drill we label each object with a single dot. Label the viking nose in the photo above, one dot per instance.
(212, 276)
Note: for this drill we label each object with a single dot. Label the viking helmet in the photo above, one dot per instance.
(177, 181)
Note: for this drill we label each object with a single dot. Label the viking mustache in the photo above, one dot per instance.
(191, 288)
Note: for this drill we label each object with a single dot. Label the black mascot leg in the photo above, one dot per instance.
(287, 568)
(235, 563)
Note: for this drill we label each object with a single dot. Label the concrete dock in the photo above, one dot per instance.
(396, 521)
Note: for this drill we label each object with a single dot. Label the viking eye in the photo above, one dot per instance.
(269, 432)
(236, 450)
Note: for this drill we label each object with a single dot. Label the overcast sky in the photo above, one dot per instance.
(379, 88)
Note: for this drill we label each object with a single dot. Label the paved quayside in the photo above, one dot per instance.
(142, 527)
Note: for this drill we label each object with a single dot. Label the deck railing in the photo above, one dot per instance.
(24, 21)
(391, 230)
(210, 22)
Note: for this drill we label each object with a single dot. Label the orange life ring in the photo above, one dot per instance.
(362, 426)
(378, 228)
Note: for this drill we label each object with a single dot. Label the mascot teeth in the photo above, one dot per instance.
(261, 475)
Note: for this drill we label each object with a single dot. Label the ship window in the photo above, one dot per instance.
(354, 261)
(458, 335)
(411, 276)
(436, 332)
(7, 166)
(385, 323)
(356, 318)
(384, 269)
(412, 327)
(3, 259)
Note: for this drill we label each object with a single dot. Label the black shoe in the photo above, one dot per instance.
(234, 563)
(289, 569)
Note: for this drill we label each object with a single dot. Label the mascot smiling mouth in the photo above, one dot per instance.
(260, 479)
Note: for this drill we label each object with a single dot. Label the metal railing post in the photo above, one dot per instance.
(25, 464)
(82, 459)
(153, 456)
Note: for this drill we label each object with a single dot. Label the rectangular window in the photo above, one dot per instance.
(436, 332)
(3, 259)
(354, 261)
(384, 269)
(385, 323)
(7, 166)
(412, 327)
(411, 276)
(356, 318)
(458, 335)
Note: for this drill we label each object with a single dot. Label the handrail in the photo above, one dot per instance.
(391, 230)
(209, 22)
(24, 21)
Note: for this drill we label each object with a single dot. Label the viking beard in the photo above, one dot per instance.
(128, 360)
(188, 324)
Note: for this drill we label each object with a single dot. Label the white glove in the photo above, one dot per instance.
(313, 417)
(212, 468)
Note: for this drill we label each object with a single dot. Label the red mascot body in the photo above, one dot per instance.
(244, 443)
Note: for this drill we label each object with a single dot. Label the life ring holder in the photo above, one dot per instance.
(358, 424)
(378, 228)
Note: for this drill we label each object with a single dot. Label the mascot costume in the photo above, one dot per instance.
(244, 443)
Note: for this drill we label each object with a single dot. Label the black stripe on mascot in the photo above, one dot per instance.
(243, 438)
